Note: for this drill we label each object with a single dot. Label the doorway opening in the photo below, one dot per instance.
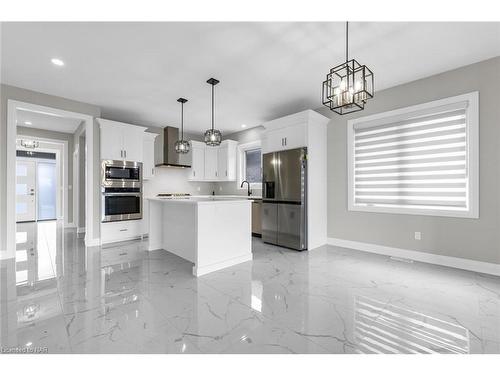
(37, 184)
(41, 172)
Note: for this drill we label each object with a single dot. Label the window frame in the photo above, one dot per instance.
(472, 146)
(242, 148)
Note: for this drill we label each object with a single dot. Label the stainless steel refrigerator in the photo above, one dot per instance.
(284, 198)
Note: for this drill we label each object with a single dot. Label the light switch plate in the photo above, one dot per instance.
(418, 236)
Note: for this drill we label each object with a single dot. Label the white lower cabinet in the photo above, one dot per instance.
(121, 231)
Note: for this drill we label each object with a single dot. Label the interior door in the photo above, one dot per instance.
(291, 176)
(25, 191)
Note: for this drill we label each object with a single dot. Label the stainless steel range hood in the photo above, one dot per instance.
(168, 157)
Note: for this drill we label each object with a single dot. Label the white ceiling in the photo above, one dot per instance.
(136, 71)
(45, 121)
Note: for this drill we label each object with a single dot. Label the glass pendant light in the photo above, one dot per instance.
(213, 137)
(182, 146)
(29, 143)
(348, 85)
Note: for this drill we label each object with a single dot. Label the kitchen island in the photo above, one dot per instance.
(213, 233)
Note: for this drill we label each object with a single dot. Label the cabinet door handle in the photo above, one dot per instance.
(121, 153)
(125, 153)
(152, 171)
(226, 172)
(123, 230)
(285, 141)
(194, 173)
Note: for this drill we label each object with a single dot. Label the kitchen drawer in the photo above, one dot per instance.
(121, 230)
(118, 255)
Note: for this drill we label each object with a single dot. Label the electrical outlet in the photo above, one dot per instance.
(418, 236)
(199, 188)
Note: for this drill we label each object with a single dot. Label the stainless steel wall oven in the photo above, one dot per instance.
(121, 190)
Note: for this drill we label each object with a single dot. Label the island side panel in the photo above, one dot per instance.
(155, 236)
(224, 235)
(179, 229)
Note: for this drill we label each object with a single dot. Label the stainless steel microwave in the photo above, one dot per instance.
(120, 173)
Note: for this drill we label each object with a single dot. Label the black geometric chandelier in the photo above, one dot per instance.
(213, 137)
(349, 85)
(182, 146)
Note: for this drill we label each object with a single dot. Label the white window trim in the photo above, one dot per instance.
(241, 163)
(472, 151)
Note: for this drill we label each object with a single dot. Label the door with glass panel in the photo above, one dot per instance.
(25, 191)
(46, 193)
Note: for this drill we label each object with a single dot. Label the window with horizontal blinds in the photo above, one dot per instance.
(413, 161)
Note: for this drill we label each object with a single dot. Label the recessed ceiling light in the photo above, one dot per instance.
(243, 125)
(28, 123)
(57, 62)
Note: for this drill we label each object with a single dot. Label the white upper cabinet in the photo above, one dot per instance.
(211, 172)
(148, 159)
(226, 161)
(119, 141)
(111, 143)
(197, 153)
(213, 163)
(284, 137)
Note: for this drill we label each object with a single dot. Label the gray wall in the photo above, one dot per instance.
(41, 133)
(245, 136)
(15, 93)
(477, 239)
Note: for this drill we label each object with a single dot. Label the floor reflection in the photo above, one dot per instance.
(68, 298)
(386, 328)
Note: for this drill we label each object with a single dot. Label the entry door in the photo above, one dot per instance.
(25, 191)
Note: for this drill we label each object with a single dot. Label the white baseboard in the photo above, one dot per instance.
(93, 242)
(80, 230)
(442, 260)
(203, 270)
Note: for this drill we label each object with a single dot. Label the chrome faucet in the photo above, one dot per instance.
(249, 191)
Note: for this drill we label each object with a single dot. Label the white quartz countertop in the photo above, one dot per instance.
(201, 199)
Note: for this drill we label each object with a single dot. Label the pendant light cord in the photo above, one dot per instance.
(182, 121)
(347, 41)
(213, 106)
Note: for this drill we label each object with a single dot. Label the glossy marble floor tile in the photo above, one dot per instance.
(66, 298)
